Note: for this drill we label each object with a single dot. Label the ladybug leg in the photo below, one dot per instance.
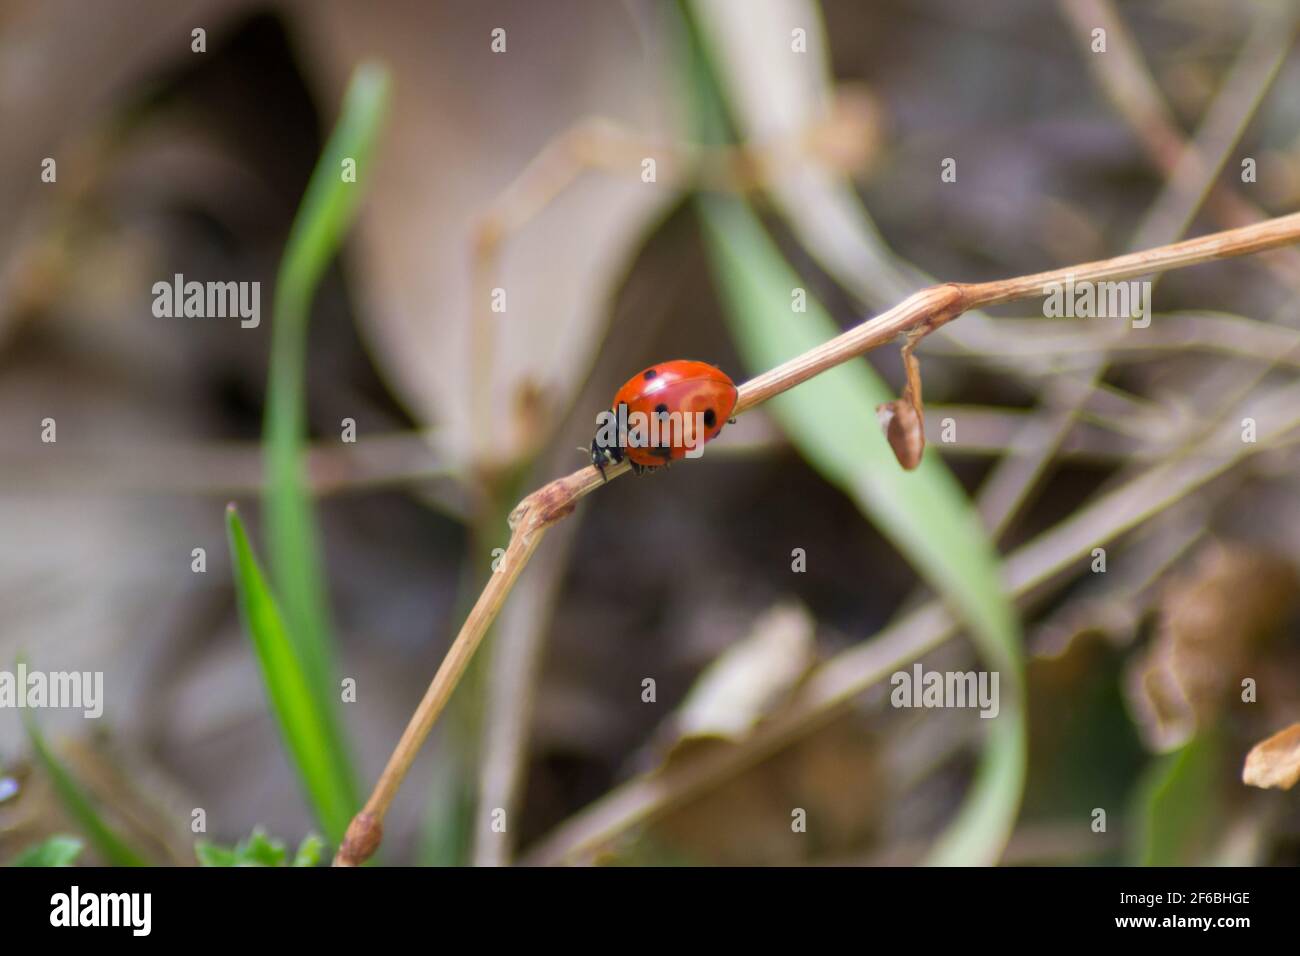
(664, 453)
(602, 456)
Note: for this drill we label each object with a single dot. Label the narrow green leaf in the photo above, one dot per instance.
(78, 804)
(324, 217)
(56, 851)
(1176, 802)
(298, 710)
(831, 420)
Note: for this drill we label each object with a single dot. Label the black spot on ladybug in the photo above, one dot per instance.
(661, 409)
(710, 417)
(650, 373)
(663, 451)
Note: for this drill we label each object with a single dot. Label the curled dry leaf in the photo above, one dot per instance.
(1207, 636)
(831, 777)
(749, 678)
(748, 682)
(1274, 762)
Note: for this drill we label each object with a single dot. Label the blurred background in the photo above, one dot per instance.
(767, 591)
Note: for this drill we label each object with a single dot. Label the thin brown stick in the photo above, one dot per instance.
(920, 313)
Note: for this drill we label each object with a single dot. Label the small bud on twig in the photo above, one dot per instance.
(903, 420)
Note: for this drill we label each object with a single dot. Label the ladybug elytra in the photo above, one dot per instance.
(663, 413)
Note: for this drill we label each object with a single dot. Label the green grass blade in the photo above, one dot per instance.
(56, 851)
(324, 216)
(78, 804)
(1177, 802)
(831, 420)
(298, 710)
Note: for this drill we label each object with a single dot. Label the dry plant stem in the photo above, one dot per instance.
(912, 391)
(920, 314)
(366, 831)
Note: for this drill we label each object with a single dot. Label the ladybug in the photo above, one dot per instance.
(664, 413)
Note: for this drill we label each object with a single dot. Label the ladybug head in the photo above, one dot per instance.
(602, 456)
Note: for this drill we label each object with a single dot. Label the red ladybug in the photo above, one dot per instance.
(664, 413)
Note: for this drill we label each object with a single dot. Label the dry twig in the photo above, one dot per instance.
(917, 316)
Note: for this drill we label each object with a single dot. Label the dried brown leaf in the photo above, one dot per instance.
(749, 678)
(1210, 622)
(1274, 762)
